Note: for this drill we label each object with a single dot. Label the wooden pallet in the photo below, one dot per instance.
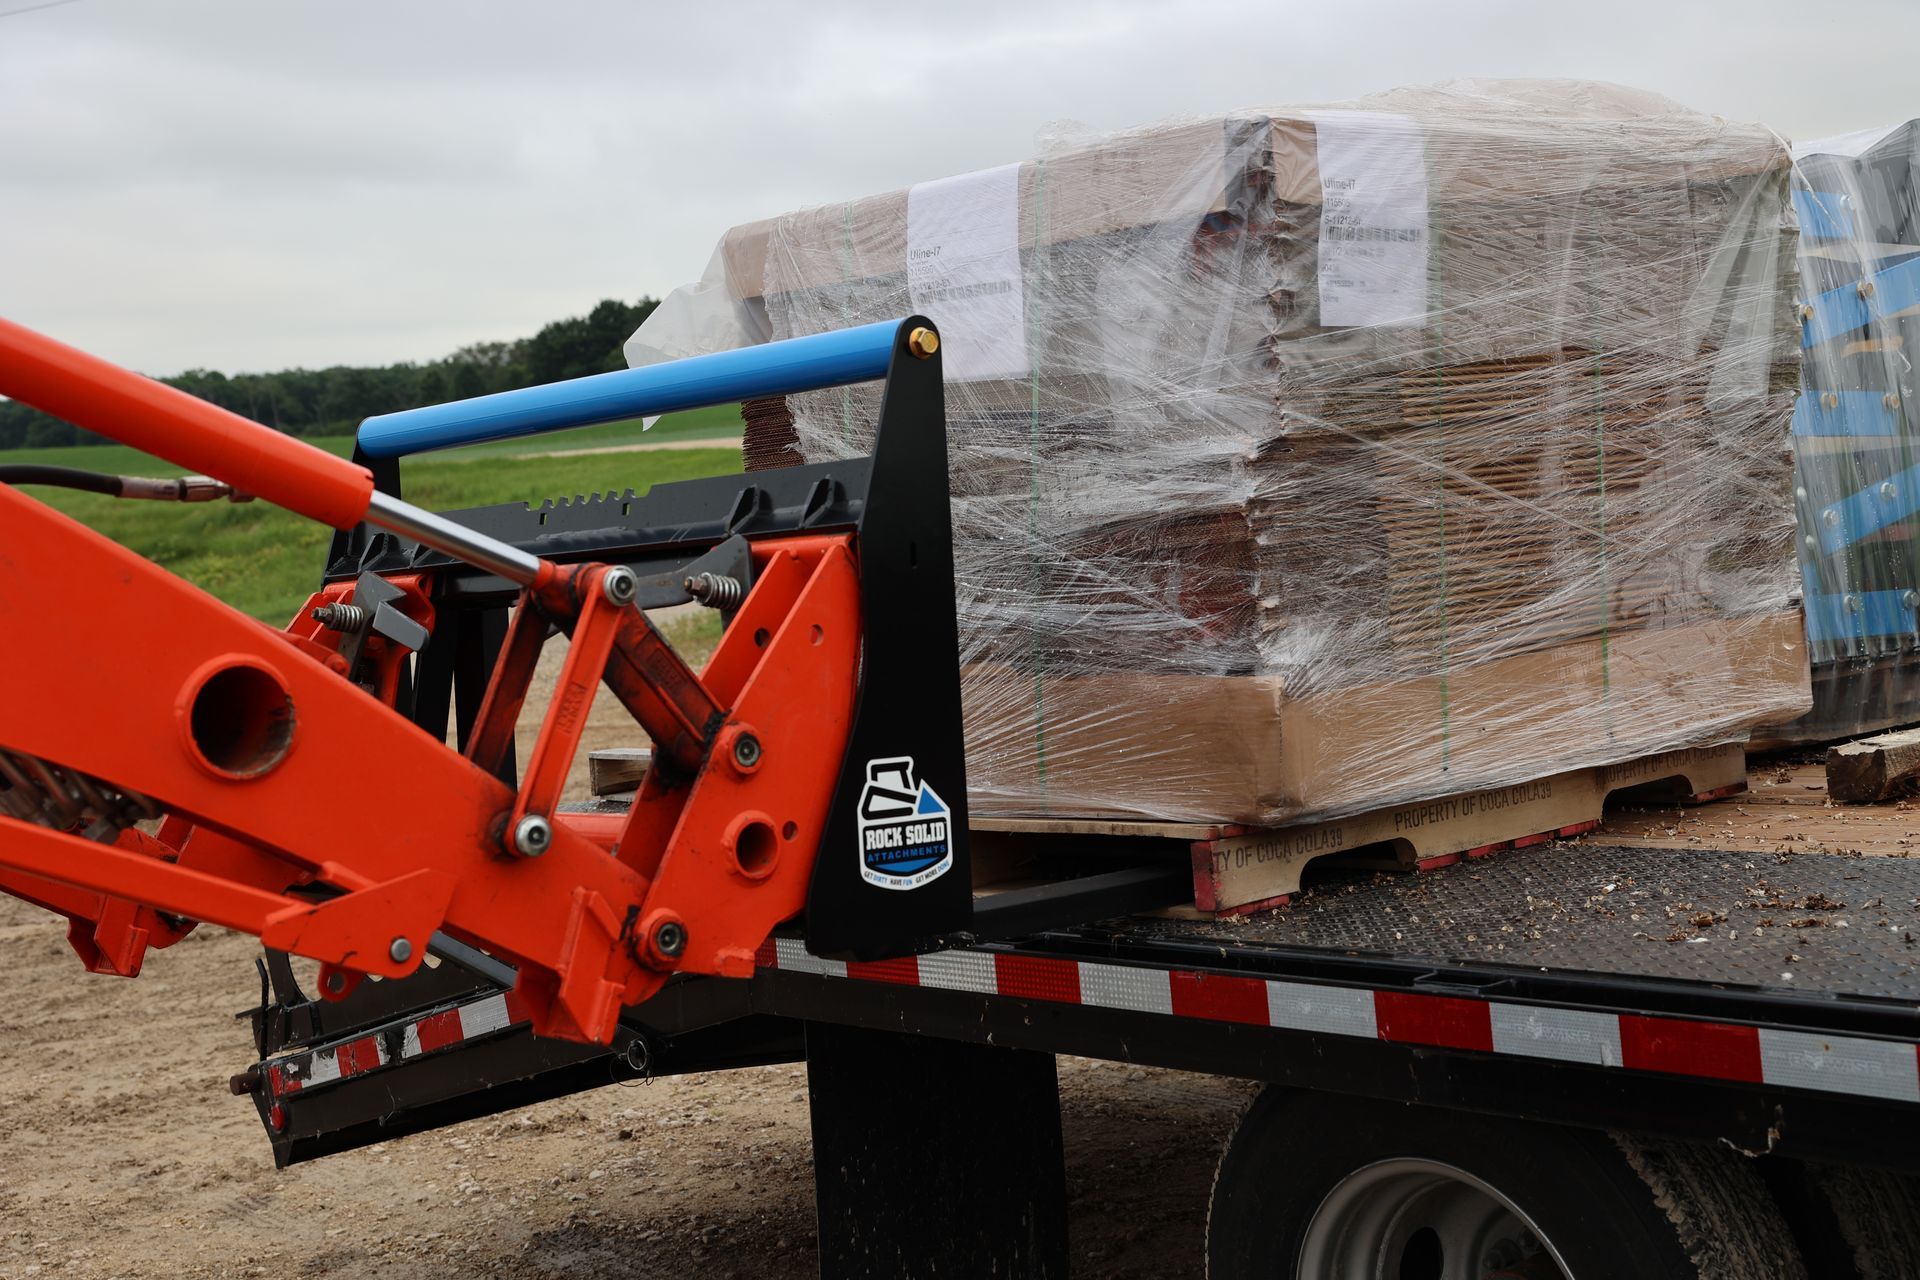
(1237, 874)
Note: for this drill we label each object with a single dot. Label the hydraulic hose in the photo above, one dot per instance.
(184, 489)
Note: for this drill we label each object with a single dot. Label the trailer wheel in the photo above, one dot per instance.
(1318, 1188)
(1852, 1223)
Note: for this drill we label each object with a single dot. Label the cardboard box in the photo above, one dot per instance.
(1240, 749)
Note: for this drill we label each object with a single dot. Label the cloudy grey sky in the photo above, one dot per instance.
(249, 184)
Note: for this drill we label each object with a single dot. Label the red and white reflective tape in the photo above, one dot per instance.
(1674, 1046)
(396, 1043)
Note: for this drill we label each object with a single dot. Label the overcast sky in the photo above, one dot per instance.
(251, 184)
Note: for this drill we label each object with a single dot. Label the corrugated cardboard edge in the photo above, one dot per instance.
(1241, 750)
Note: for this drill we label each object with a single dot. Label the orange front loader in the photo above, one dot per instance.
(165, 760)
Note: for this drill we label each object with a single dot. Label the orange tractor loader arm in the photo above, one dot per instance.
(298, 801)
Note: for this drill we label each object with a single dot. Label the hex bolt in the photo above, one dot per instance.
(922, 342)
(670, 937)
(532, 836)
(400, 951)
(619, 586)
(746, 751)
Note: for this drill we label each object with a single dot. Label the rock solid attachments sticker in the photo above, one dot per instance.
(904, 827)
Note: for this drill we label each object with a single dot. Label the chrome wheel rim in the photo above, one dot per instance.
(1423, 1220)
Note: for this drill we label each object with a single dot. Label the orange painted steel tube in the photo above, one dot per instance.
(185, 430)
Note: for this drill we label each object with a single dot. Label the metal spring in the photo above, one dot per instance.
(339, 616)
(715, 590)
(38, 791)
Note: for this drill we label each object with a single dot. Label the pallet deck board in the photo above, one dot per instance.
(1253, 872)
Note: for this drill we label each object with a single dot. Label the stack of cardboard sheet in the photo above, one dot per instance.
(1309, 461)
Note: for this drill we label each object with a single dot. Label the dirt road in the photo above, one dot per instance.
(122, 1154)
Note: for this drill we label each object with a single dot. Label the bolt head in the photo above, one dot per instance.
(746, 751)
(400, 951)
(670, 938)
(923, 341)
(532, 836)
(619, 585)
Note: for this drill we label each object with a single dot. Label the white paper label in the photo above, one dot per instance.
(1373, 218)
(963, 271)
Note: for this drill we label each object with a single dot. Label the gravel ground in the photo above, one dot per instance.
(122, 1154)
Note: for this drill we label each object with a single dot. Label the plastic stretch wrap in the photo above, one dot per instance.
(1856, 429)
(1306, 461)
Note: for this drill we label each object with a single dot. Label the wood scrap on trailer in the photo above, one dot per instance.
(1874, 769)
(617, 770)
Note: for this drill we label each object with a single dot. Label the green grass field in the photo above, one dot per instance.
(721, 421)
(265, 561)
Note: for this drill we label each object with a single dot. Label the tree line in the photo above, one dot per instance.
(320, 402)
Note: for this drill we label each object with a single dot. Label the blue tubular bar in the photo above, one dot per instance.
(834, 359)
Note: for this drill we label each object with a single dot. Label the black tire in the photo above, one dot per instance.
(1851, 1223)
(1609, 1205)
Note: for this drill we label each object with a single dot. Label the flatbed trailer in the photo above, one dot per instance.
(1577, 1059)
(1531, 997)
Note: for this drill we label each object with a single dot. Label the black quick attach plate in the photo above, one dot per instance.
(887, 882)
(892, 875)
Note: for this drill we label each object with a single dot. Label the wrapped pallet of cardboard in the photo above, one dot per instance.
(1308, 461)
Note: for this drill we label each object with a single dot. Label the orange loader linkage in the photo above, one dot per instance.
(297, 802)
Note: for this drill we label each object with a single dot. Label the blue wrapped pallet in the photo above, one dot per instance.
(1856, 431)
